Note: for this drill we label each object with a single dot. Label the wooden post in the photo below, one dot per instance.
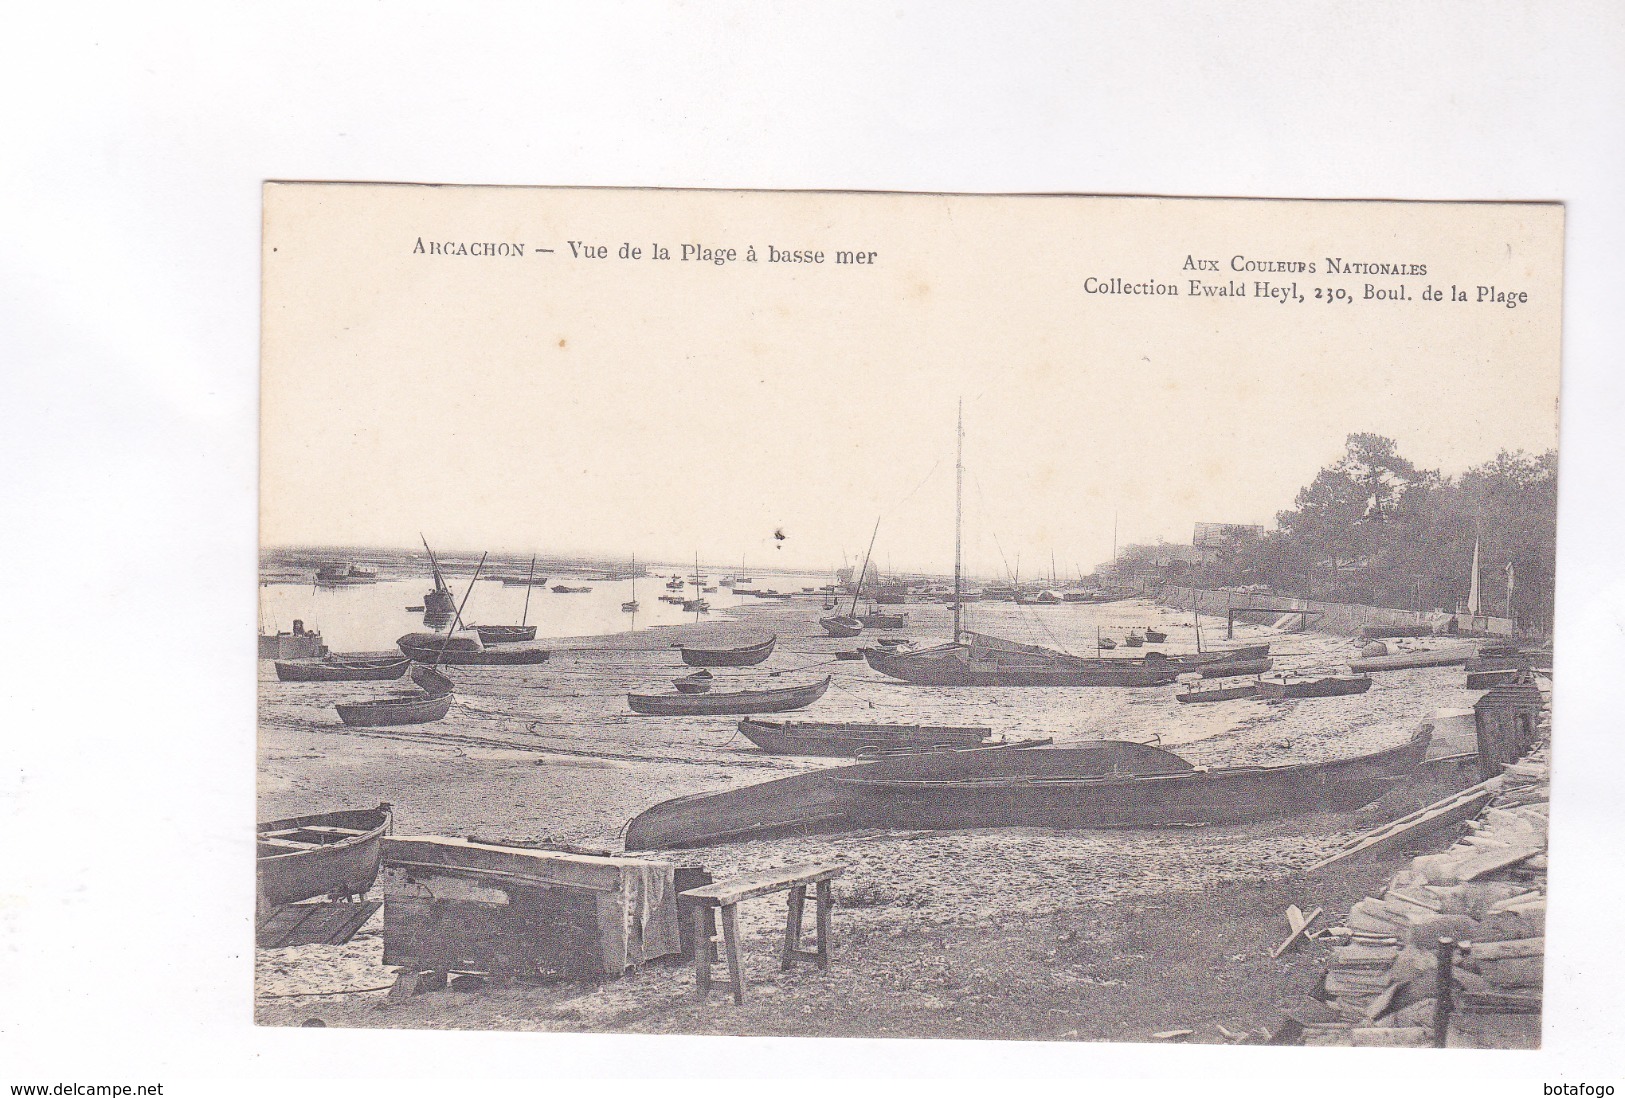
(825, 898)
(730, 939)
(1446, 955)
(792, 927)
(702, 954)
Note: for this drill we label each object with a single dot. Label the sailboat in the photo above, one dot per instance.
(977, 659)
(848, 625)
(512, 634)
(695, 605)
(440, 602)
(630, 606)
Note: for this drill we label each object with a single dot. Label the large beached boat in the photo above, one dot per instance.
(327, 854)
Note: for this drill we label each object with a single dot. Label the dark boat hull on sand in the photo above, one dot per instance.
(1277, 690)
(948, 667)
(705, 655)
(737, 703)
(431, 649)
(332, 853)
(505, 634)
(1233, 795)
(341, 669)
(857, 740)
(818, 802)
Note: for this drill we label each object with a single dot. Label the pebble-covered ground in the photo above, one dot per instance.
(552, 752)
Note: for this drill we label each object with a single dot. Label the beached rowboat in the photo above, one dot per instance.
(328, 854)
(1329, 687)
(781, 700)
(841, 625)
(432, 648)
(853, 740)
(721, 655)
(1219, 694)
(505, 634)
(343, 669)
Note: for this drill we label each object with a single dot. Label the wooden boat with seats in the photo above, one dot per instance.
(466, 651)
(328, 854)
(1332, 686)
(1182, 796)
(840, 625)
(336, 668)
(1156, 636)
(821, 801)
(719, 654)
(1218, 694)
(781, 700)
(431, 704)
(853, 740)
(1005, 663)
(505, 634)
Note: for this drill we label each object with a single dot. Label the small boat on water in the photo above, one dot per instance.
(850, 740)
(780, 700)
(1105, 644)
(566, 589)
(521, 581)
(820, 801)
(439, 601)
(1156, 636)
(431, 704)
(335, 668)
(1219, 693)
(327, 854)
(696, 606)
(1179, 796)
(1134, 640)
(463, 650)
(718, 654)
(1332, 686)
(345, 575)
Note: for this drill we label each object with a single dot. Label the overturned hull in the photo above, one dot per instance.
(822, 801)
(1233, 795)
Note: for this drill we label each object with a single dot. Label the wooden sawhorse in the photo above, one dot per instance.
(726, 895)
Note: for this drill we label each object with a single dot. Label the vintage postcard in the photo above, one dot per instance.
(906, 615)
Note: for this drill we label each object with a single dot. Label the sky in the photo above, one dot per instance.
(614, 406)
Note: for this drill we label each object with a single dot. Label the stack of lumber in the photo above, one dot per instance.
(1488, 893)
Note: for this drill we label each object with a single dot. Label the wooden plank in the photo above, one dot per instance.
(730, 892)
(1436, 816)
(730, 941)
(1491, 861)
(792, 927)
(1299, 925)
(324, 923)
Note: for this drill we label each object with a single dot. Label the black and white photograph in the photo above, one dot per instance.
(885, 615)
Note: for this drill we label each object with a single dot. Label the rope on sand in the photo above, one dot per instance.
(318, 994)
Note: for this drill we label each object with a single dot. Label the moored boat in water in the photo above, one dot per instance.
(326, 854)
(778, 700)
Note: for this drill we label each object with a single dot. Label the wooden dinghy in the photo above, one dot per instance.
(725, 655)
(1330, 687)
(1156, 636)
(328, 854)
(781, 700)
(1428, 657)
(505, 634)
(1178, 798)
(1219, 694)
(433, 648)
(821, 801)
(851, 740)
(343, 669)
(839, 625)
(431, 705)
(961, 665)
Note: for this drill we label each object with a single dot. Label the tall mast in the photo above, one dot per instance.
(959, 539)
(857, 588)
(530, 581)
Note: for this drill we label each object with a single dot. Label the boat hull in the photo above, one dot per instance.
(391, 711)
(1191, 798)
(346, 867)
(857, 740)
(1228, 693)
(334, 669)
(821, 801)
(427, 648)
(505, 634)
(747, 656)
(841, 627)
(1405, 660)
(925, 669)
(1312, 688)
(716, 705)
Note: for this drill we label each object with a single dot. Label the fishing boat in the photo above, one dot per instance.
(697, 683)
(327, 854)
(780, 700)
(439, 601)
(521, 581)
(970, 665)
(1424, 657)
(1134, 640)
(345, 575)
(1156, 636)
(696, 606)
(1105, 644)
(420, 708)
(1218, 693)
(821, 801)
(717, 654)
(852, 740)
(464, 650)
(566, 589)
(1331, 686)
(1181, 797)
(630, 606)
(512, 634)
(334, 668)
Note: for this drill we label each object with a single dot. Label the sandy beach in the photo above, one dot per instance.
(552, 753)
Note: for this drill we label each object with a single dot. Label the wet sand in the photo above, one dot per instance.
(552, 752)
